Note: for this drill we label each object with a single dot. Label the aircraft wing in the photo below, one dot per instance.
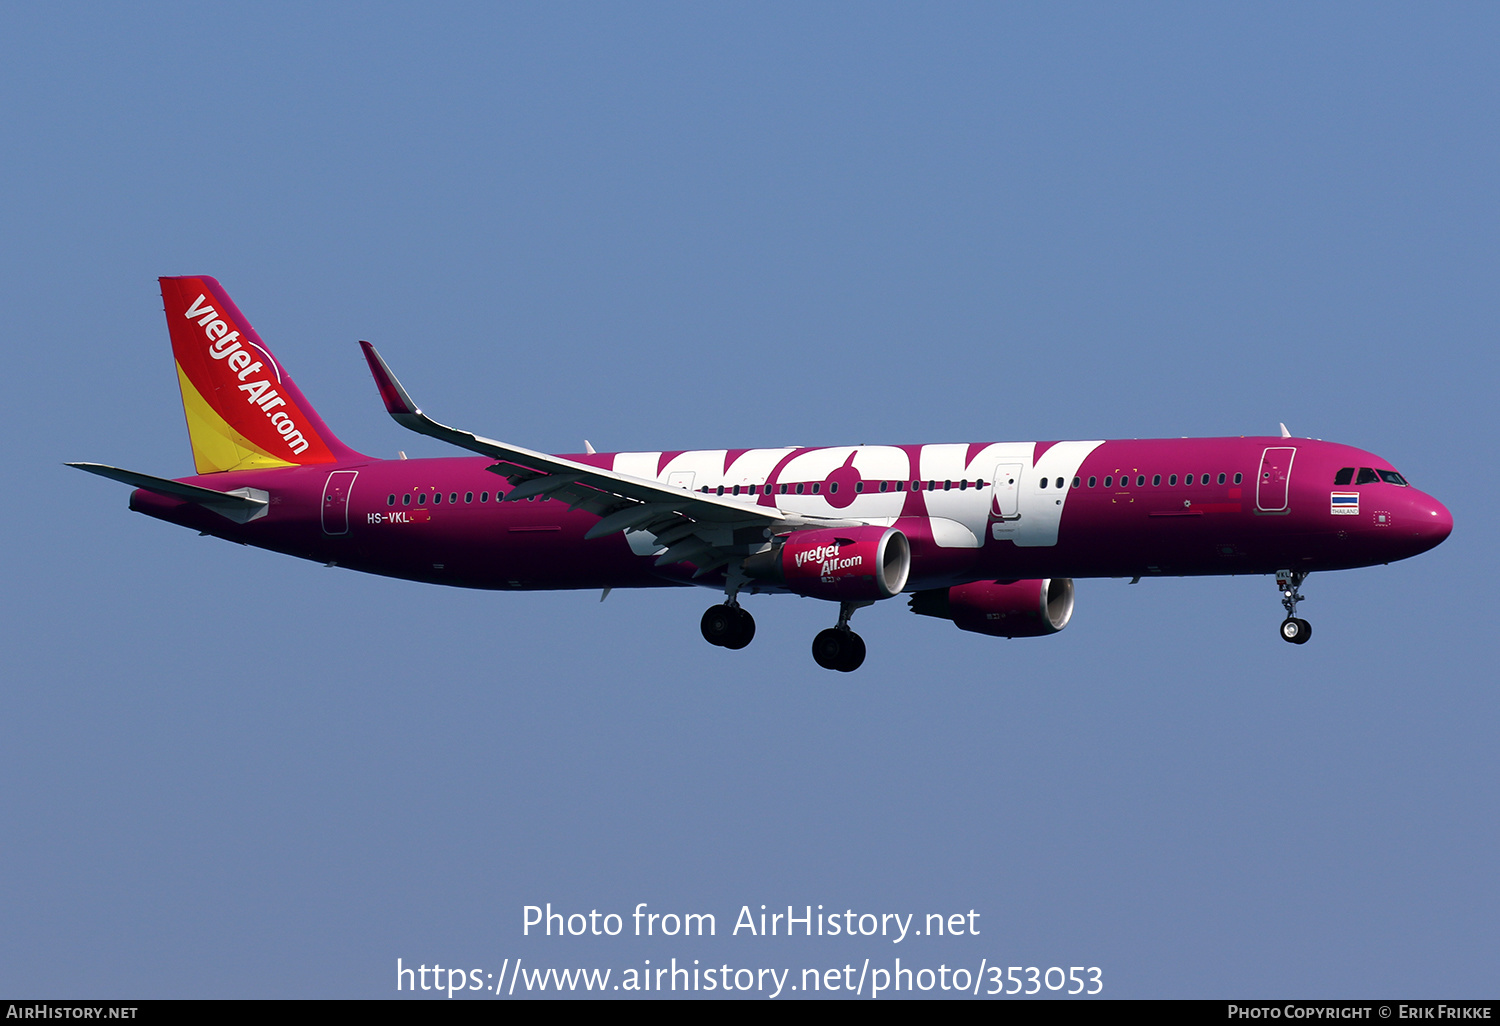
(703, 529)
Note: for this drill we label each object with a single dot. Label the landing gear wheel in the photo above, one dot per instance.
(838, 649)
(856, 657)
(727, 626)
(744, 628)
(718, 625)
(1295, 630)
(828, 647)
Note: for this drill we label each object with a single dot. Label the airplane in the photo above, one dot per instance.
(987, 535)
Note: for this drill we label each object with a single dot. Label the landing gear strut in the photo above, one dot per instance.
(1293, 628)
(728, 625)
(839, 648)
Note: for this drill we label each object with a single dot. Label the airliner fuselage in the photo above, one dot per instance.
(986, 534)
(1137, 508)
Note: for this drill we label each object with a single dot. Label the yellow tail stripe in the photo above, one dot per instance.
(217, 447)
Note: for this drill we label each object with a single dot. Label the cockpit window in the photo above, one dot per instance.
(1344, 476)
(1391, 477)
(1366, 476)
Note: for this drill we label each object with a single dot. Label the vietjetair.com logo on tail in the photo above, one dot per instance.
(242, 412)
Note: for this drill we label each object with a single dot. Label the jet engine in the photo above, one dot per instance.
(846, 564)
(1004, 609)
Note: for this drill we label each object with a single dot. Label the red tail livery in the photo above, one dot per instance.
(243, 411)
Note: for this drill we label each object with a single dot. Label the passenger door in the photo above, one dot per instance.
(1272, 487)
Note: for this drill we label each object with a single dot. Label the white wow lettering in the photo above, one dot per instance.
(224, 344)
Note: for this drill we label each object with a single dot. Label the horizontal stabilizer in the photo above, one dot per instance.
(241, 505)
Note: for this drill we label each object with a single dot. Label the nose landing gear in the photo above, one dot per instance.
(1293, 628)
(839, 648)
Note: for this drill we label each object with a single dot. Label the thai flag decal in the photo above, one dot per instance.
(1344, 504)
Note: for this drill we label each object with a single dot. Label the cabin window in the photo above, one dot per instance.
(1203, 478)
(799, 488)
(1156, 479)
(1109, 481)
(452, 496)
(484, 496)
(390, 500)
(833, 486)
(406, 499)
(1345, 476)
(859, 486)
(1221, 479)
(1188, 479)
(422, 499)
(1366, 476)
(1238, 478)
(437, 498)
(1044, 482)
(1092, 480)
(468, 496)
(1172, 481)
(817, 487)
(1077, 481)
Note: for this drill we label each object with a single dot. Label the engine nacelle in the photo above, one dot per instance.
(846, 564)
(1014, 609)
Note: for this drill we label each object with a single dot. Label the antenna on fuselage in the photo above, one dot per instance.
(1284, 432)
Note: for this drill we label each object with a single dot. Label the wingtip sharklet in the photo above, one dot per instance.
(397, 401)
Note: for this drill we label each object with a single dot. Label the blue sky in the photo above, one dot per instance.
(230, 773)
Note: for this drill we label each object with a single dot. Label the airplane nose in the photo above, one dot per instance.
(1434, 522)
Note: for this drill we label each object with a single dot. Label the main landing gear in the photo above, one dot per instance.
(1293, 628)
(728, 626)
(839, 648)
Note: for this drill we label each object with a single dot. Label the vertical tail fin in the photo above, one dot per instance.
(243, 410)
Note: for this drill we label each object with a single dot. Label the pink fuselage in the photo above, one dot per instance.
(1286, 512)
